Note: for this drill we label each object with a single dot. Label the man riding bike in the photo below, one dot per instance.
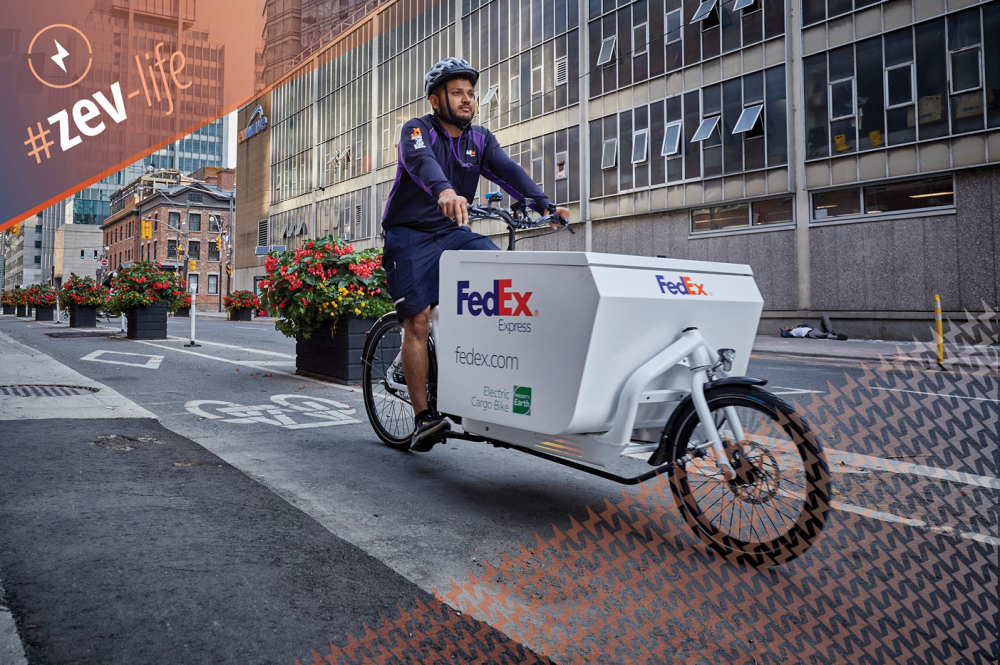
(441, 158)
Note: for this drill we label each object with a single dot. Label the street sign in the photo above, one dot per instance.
(104, 263)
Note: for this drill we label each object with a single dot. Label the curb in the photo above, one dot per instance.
(927, 362)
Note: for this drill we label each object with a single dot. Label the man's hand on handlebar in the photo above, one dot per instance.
(564, 213)
(454, 206)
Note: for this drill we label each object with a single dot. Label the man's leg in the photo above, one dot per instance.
(427, 426)
(415, 331)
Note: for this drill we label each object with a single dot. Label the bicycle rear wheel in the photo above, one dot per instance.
(388, 408)
(778, 504)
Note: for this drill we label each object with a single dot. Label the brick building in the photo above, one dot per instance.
(190, 220)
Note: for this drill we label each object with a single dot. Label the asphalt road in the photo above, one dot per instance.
(904, 547)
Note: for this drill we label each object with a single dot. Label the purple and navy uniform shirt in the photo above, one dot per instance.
(431, 161)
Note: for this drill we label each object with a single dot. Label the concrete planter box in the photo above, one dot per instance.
(44, 313)
(334, 351)
(183, 312)
(148, 322)
(24, 310)
(82, 316)
(10, 310)
(241, 315)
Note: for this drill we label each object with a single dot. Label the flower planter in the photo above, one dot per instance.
(241, 315)
(334, 351)
(82, 316)
(44, 313)
(149, 322)
(183, 312)
(10, 309)
(23, 310)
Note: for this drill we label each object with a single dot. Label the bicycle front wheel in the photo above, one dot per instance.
(777, 506)
(388, 407)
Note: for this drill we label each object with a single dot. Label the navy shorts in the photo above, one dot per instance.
(411, 262)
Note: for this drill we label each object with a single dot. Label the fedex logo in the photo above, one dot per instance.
(685, 287)
(495, 302)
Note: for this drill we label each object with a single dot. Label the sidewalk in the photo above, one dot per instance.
(877, 351)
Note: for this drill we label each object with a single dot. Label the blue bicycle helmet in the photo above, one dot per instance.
(447, 69)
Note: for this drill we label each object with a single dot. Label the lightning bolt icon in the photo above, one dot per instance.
(60, 56)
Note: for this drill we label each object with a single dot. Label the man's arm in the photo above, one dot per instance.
(501, 169)
(417, 157)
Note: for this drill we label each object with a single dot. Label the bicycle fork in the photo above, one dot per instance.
(700, 362)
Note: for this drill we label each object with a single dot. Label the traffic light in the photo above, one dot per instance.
(229, 270)
(192, 265)
(218, 243)
(147, 229)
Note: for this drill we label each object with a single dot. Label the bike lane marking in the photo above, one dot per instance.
(153, 361)
(917, 392)
(251, 364)
(329, 412)
(234, 346)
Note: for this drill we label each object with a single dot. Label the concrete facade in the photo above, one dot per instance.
(78, 250)
(836, 154)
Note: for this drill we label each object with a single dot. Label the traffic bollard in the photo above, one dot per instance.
(939, 331)
(194, 308)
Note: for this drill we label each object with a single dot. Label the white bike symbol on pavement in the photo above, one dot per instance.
(323, 412)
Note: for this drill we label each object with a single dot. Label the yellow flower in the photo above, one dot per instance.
(363, 304)
(340, 299)
(335, 305)
(357, 311)
(332, 314)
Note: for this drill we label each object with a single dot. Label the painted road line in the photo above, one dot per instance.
(250, 364)
(270, 363)
(857, 461)
(917, 392)
(325, 412)
(785, 390)
(152, 362)
(881, 464)
(233, 346)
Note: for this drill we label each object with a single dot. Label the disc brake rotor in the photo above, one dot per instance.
(752, 484)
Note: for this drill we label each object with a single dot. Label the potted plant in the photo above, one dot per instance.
(9, 301)
(241, 305)
(83, 297)
(143, 292)
(21, 304)
(43, 298)
(326, 295)
(182, 306)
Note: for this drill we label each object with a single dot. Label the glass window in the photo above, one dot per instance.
(213, 250)
(213, 284)
(815, 94)
(932, 80)
(515, 88)
(671, 140)
(965, 70)
(704, 10)
(639, 144)
(720, 217)
(172, 249)
(192, 282)
(174, 220)
(750, 5)
(839, 203)
(706, 128)
(562, 163)
(536, 81)
(774, 117)
(910, 195)
(870, 98)
(194, 221)
(991, 26)
(639, 40)
(673, 27)
(607, 50)
(842, 100)
(774, 211)
(609, 153)
(194, 250)
(899, 86)
(213, 223)
(749, 119)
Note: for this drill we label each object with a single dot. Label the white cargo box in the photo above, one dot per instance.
(544, 341)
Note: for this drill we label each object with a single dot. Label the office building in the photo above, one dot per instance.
(847, 151)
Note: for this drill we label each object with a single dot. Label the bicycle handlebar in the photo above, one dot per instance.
(517, 217)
